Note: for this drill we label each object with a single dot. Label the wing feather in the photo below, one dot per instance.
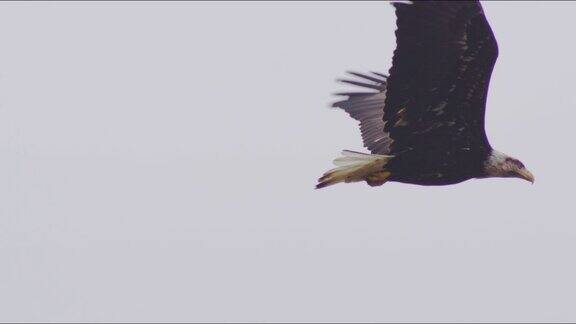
(368, 109)
(438, 83)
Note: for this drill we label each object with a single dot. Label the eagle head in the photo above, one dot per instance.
(501, 165)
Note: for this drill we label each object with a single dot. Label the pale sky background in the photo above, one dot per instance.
(157, 163)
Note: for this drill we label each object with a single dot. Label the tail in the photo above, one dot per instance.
(355, 166)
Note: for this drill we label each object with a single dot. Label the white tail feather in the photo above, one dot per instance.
(355, 166)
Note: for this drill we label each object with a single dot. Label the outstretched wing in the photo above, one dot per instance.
(438, 83)
(368, 108)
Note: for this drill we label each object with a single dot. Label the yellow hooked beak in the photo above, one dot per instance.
(525, 174)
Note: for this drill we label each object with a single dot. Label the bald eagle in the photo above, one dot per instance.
(424, 122)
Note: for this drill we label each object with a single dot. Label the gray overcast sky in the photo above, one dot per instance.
(157, 163)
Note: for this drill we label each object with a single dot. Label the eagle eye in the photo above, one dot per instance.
(515, 162)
